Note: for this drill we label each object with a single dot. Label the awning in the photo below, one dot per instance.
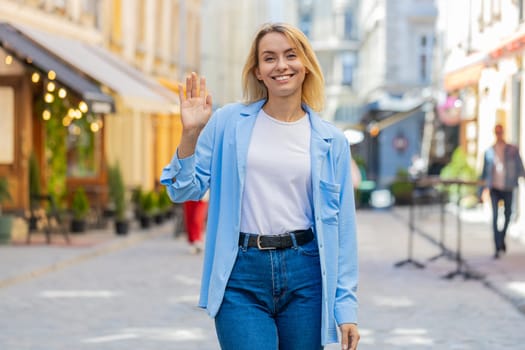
(29, 52)
(514, 43)
(463, 77)
(134, 88)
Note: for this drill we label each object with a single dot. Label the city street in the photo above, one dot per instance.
(140, 292)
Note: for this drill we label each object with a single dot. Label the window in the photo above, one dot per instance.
(348, 60)
(425, 58)
(7, 125)
(141, 25)
(349, 24)
(90, 13)
(84, 148)
(305, 16)
(305, 23)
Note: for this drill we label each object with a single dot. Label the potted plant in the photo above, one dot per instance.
(80, 209)
(402, 188)
(34, 191)
(165, 204)
(6, 221)
(117, 195)
(160, 207)
(147, 208)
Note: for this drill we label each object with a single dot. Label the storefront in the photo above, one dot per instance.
(459, 114)
(507, 102)
(52, 111)
(131, 132)
(79, 108)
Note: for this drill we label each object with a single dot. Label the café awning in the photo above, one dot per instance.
(133, 87)
(31, 53)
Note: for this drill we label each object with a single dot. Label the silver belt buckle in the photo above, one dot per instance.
(259, 244)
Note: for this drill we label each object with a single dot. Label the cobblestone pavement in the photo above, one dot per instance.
(140, 292)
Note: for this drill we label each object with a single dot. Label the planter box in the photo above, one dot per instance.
(121, 227)
(78, 226)
(6, 226)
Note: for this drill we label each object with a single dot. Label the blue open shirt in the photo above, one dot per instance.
(219, 164)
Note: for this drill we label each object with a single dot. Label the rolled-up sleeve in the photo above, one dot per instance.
(188, 178)
(179, 172)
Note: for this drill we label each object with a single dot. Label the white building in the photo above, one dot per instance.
(481, 57)
(228, 28)
(394, 75)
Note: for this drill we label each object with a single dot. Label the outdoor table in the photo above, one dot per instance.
(429, 182)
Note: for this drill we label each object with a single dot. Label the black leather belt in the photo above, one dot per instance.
(264, 242)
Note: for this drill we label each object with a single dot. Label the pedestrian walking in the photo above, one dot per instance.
(194, 222)
(280, 263)
(502, 166)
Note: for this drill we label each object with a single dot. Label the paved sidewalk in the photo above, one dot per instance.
(20, 261)
(505, 276)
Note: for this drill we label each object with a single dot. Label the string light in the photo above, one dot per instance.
(35, 77)
(62, 93)
(46, 114)
(51, 75)
(95, 127)
(83, 106)
(8, 59)
(66, 121)
(51, 86)
(49, 98)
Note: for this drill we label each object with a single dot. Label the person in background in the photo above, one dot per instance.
(280, 262)
(502, 166)
(194, 222)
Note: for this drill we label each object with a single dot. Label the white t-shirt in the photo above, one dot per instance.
(277, 194)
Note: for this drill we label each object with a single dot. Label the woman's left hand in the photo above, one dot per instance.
(349, 336)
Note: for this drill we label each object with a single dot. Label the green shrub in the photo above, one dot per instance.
(117, 191)
(459, 169)
(80, 204)
(5, 196)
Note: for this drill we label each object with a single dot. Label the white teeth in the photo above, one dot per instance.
(282, 77)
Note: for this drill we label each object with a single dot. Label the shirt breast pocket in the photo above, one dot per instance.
(330, 193)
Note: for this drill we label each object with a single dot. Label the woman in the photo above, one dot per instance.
(280, 265)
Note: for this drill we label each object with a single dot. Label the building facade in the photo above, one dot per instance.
(394, 81)
(130, 54)
(481, 65)
(228, 30)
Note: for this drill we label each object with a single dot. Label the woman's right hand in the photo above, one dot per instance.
(195, 105)
(195, 111)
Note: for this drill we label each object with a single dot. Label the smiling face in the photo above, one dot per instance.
(279, 66)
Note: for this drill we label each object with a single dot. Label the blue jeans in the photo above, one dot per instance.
(495, 197)
(272, 300)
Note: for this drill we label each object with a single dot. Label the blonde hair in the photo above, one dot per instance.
(313, 85)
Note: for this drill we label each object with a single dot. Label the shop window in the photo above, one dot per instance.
(7, 125)
(73, 140)
(83, 148)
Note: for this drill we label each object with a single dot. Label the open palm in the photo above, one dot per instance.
(196, 104)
